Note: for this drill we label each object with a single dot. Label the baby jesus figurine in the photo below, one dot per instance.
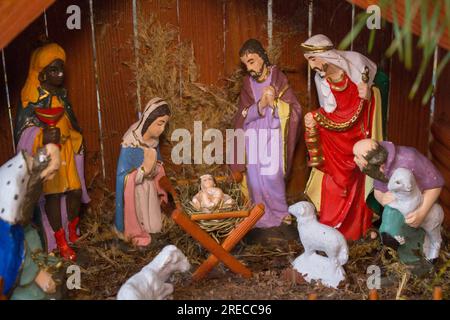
(209, 196)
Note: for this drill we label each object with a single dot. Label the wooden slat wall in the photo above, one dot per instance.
(332, 18)
(164, 10)
(442, 91)
(440, 147)
(202, 22)
(6, 147)
(244, 19)
(115, 53)
(382, 42)
(80, 79)
(291, 18)
(409, 120)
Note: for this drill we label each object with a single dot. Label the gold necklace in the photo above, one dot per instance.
(329, 124)
(341, 88)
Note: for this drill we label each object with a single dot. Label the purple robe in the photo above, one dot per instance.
(268, 189)
(426, 174)
(26, 143)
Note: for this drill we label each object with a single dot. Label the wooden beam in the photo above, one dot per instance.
(16, 15)
(400, 9)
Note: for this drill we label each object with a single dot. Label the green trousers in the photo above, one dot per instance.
(393, 223)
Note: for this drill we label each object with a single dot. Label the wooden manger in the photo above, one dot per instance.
(193, 223)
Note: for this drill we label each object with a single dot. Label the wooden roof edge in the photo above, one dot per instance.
(16, 15)
(400, 8)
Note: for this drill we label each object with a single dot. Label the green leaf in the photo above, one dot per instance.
(422, 69)
(424, 23)
(397, 44)
(361, 22)
(428, 94)
(406, 30)
(442, 65)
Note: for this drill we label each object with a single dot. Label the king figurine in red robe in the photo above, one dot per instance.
(350, 110)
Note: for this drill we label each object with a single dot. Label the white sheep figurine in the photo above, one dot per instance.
(319, 237)
(408, 198)
(150, 282)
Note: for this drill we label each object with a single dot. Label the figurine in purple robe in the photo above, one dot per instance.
(270, 114)
(380, 160)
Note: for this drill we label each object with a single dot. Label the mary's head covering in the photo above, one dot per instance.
(133, 137)
(353, 63)
(40, 58)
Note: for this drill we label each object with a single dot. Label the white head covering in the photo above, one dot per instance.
(353, 63)
(133, 137)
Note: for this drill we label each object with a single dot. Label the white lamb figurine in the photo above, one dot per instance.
(150, 282)
(319, 237)
(408, 198)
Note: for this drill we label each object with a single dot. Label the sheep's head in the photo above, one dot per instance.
(402, 180)
(173, 260)
(303, 209)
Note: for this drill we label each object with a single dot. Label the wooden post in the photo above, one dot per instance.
(312, 296)
(437, 293)
(373, 294)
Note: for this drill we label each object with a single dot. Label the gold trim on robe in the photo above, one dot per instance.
(313, 189)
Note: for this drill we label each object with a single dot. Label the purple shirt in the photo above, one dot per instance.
(426, 174)
(269, 190)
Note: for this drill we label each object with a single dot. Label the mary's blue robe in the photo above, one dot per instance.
(129, 159)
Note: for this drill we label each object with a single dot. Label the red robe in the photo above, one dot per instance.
(343, 185)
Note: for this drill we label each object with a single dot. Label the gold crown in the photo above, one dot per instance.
(308, 48)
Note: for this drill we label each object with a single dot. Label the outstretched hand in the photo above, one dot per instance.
(364, 91)
(53, 153)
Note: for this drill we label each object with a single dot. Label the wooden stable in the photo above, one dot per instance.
(102, 85)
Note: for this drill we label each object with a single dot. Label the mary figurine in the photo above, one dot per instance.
(138, 195)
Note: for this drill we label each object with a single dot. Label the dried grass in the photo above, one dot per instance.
(167, 69)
